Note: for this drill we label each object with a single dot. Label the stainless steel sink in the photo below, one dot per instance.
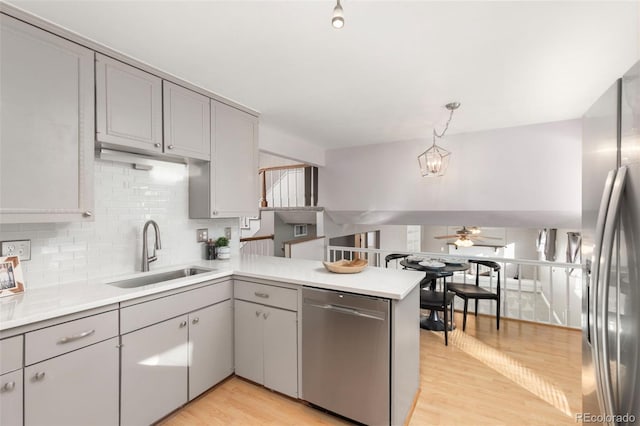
(159, 277)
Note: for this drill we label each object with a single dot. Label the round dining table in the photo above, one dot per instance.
(433, 273)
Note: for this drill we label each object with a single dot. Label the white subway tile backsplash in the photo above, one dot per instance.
(111, 245)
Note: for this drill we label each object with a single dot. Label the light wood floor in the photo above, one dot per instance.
(525, 374)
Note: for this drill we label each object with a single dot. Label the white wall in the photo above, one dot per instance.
(271, 160)
(392, 237)
(313, 250)
(275, 141)
(112, 244)
(526, 176)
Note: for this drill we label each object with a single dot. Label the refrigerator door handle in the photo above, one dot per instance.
(592, 311)
(597, 252)
(603, 287)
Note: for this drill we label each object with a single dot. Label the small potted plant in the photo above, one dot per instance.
(223, 249)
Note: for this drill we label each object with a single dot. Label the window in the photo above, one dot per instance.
(299, 230)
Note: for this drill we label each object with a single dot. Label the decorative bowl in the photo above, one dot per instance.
(346, 266)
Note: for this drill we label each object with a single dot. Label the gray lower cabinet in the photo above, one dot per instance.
(128, 107)
(266, 346)
(11, 384)
(154, 371)
(47, 131)
(210, 347)
(249, 341)
(280, 351)
(77, 388)
(174, 347)
(11, 398)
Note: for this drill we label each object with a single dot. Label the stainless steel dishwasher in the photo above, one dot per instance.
(346, 354)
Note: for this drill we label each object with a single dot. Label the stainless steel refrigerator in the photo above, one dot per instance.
(611, 255)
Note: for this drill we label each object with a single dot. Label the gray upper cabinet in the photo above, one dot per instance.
(228, 185)
(236, 160)
(128, 106)
(47, 132)
(187, 125)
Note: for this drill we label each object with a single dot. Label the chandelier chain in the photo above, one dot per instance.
(446, 127)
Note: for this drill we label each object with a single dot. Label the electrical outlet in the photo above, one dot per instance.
(20, 248)
(203, 235)
(227, 232)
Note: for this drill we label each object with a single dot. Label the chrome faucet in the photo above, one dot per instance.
(146, 259)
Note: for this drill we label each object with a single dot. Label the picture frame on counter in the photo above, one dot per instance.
(11, 278)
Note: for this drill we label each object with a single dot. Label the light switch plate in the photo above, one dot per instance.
(203, 235)
(227, 232)
(20, 248)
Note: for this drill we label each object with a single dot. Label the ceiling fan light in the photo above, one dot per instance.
(338, 16)
(460, 242)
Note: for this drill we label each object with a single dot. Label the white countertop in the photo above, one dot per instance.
(64, 299)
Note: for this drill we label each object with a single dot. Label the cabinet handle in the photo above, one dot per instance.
(258, 313)
(39, 376)
(170, 147)
(215, 212)
(7, 387)
(157, 145)
(87, 214)
(70, 339)
(265, 315)
(263, 295)
(195, 320)
(183, 324)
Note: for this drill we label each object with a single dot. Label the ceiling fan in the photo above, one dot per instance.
(466, 236)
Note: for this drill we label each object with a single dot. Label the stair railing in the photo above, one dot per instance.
(262, 245)
(289, 186)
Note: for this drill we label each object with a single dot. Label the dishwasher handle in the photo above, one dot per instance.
(348, 311)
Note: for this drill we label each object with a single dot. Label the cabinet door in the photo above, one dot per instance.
(154, 372)
(234, 162)
(11, 398)
(78, 388)
(248, 346)
(210, 347)
(47, 131)
(128, 106)
(281, 351)
(187, 122)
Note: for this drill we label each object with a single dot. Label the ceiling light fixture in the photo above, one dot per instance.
(435, 160)
(338, 16)
(463, 242)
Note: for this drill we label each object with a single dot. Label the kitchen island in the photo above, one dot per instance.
(39, 309)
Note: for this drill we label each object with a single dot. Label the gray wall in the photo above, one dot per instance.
(284, 232)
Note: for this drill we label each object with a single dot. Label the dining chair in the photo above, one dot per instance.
(439, 300)
(474, 291)
(393, 256)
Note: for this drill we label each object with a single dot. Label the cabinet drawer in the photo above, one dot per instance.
(144, 314)
(59, 339)
(10, 354)
(280, 297)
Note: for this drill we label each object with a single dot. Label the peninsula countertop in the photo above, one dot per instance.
(63, 299)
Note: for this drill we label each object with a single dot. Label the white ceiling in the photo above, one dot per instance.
(387, 74)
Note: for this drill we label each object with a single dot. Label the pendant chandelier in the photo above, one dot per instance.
(435, 160)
